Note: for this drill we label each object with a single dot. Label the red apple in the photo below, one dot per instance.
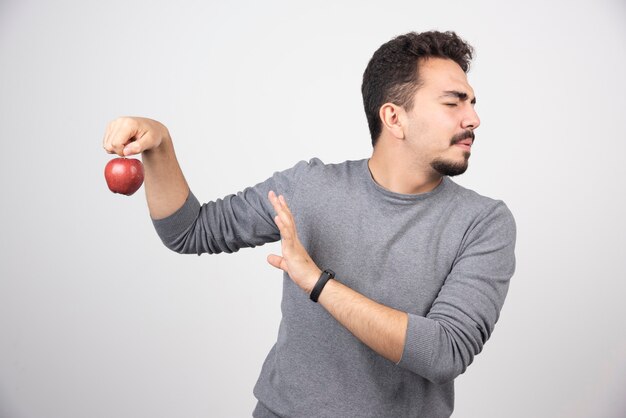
(124, 175)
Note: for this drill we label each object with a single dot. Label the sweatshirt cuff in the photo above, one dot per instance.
(421, 336)
(171, 226)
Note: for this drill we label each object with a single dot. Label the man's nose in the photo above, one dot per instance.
(471, 119)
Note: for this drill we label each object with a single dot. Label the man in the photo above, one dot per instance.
(416, 267)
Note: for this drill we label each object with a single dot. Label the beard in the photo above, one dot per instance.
(450, 168)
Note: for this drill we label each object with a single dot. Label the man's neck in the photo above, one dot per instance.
(398, 175)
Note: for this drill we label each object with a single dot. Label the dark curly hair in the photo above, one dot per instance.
(392, 74)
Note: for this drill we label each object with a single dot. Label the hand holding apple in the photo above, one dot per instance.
(133, 135)
(124, 175)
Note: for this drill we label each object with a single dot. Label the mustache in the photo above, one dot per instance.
(463, 135)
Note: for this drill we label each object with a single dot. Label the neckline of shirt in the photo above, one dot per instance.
(401, 197)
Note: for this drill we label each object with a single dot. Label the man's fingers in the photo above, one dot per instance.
(274, 201)
(109, 144)
(283, 202)
(281, 208)
(118, 135)
(277, 261)
(278, 202)
(105, 140)
(286, 218)
(128, 136)
(283, 219)
(274, 260)
(134, 147)
(285, 231)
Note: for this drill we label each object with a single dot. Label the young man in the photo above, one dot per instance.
(394, 275)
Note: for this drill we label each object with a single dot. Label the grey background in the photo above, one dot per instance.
(98, 319)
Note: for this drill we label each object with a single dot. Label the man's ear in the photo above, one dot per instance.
(392, 117)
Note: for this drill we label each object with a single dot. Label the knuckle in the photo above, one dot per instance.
(126, 122)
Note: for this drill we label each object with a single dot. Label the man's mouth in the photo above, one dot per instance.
(466, 145)
(465, 141)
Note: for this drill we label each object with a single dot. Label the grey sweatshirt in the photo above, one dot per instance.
(445, 257)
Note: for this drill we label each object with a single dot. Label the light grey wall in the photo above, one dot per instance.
(98, 319)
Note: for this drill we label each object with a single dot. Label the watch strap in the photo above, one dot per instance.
(324, 278)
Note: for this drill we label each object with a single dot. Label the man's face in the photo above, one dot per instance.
(441, 123)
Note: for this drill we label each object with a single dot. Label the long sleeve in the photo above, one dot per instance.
(236, 221)
(440, 346)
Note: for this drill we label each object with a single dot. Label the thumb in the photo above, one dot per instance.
(275, 260)
(132, 148)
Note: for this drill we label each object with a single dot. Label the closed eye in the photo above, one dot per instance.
(450, 104)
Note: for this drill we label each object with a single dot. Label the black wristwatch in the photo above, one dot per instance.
(324, 278)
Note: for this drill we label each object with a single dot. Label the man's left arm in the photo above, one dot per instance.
(441, 345)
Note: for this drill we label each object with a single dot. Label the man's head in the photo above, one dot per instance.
(415, 89)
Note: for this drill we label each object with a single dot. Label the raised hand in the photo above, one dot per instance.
(295, 260)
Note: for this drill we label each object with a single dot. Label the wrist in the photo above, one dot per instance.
(324, 278)
(312, 280)
(162, 145)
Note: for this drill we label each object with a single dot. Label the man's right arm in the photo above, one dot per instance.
(244, 219)
(165, 185)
